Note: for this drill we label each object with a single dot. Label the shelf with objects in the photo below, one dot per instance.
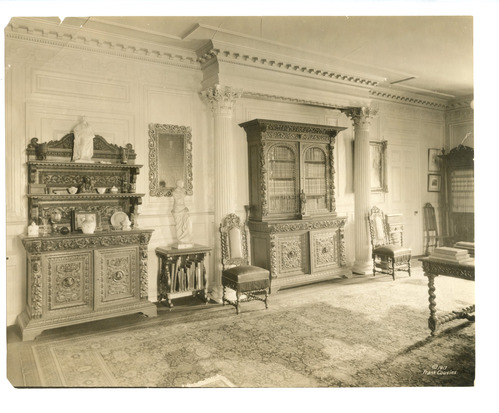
(86, 254)
(295, 231)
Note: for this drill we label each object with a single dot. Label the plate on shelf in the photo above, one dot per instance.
(117, 219)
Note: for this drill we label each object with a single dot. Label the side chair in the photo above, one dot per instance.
(237, 272)
(387, 258)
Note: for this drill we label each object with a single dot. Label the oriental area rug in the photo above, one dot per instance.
(348, 333)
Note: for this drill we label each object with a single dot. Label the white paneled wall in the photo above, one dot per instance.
(49, 86)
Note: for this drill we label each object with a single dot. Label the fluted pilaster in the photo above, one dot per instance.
(221, 100)
(361, 118)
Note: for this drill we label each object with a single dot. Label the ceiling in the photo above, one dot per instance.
(432, 55)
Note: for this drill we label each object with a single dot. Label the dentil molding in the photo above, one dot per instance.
(60, 35)
(280, 64)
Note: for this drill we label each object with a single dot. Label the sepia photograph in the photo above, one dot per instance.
(224, 201)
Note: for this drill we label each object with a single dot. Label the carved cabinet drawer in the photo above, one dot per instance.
(68, 289)
(292, 252)
(116, 275)
(324, 249)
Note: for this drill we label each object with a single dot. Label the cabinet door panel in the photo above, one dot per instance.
(116, 275)
(283, 179)
(69, 283)
(324, 249)
(293, 254)
(316, 180)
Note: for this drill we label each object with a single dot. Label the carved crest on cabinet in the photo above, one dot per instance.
(63, 148)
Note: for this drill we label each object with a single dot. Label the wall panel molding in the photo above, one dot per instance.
(78, 86)
(52, 122)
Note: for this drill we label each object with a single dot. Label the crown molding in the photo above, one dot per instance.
(229, 53)
(461, 103)
(250, 52)
(397, 96)
(80, 38)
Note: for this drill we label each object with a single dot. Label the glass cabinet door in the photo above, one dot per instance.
(282, 180)
(315, 179)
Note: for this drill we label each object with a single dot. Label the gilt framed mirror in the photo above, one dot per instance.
(170, 158)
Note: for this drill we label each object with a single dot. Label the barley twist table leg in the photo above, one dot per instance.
(432, 320)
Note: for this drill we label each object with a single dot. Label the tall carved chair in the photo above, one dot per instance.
(387, 257)
(237, 273)
(432, 238)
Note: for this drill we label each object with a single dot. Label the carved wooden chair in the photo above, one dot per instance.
(431, 236)
(237, 273)
(387, 257)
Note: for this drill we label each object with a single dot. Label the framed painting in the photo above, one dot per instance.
(434, 161)
(378, 166)
(170, 158)
(79, 216)
(434, 182)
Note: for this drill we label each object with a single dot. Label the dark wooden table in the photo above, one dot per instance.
(431, 270)
(182, 272)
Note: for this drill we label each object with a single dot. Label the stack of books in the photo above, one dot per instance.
(451, 255)
(469, 246)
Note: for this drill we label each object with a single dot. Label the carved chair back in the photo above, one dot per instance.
(430, 221)
(378, 229)
(234, 242)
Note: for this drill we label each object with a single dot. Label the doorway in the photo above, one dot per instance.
(404, 195)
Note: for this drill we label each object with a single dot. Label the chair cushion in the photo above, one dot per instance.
(392, 250)
(247, 277)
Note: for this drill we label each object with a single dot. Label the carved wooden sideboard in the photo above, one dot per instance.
(73, 277)
(295, 230)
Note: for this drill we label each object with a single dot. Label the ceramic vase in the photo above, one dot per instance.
(88, 225)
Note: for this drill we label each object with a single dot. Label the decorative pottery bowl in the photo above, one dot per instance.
(101, 190)
(73, 190)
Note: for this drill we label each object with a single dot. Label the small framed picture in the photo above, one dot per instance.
(434, 182)
(79, 216)
(434, 160)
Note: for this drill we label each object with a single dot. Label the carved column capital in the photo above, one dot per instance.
(221, 98)
(361, 116)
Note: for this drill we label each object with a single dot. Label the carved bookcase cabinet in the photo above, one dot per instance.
(74, 277)
(458, 194)
(295, 231)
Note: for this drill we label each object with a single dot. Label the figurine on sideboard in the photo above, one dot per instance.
(33, 230)
(83, 144)
(86, 186)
